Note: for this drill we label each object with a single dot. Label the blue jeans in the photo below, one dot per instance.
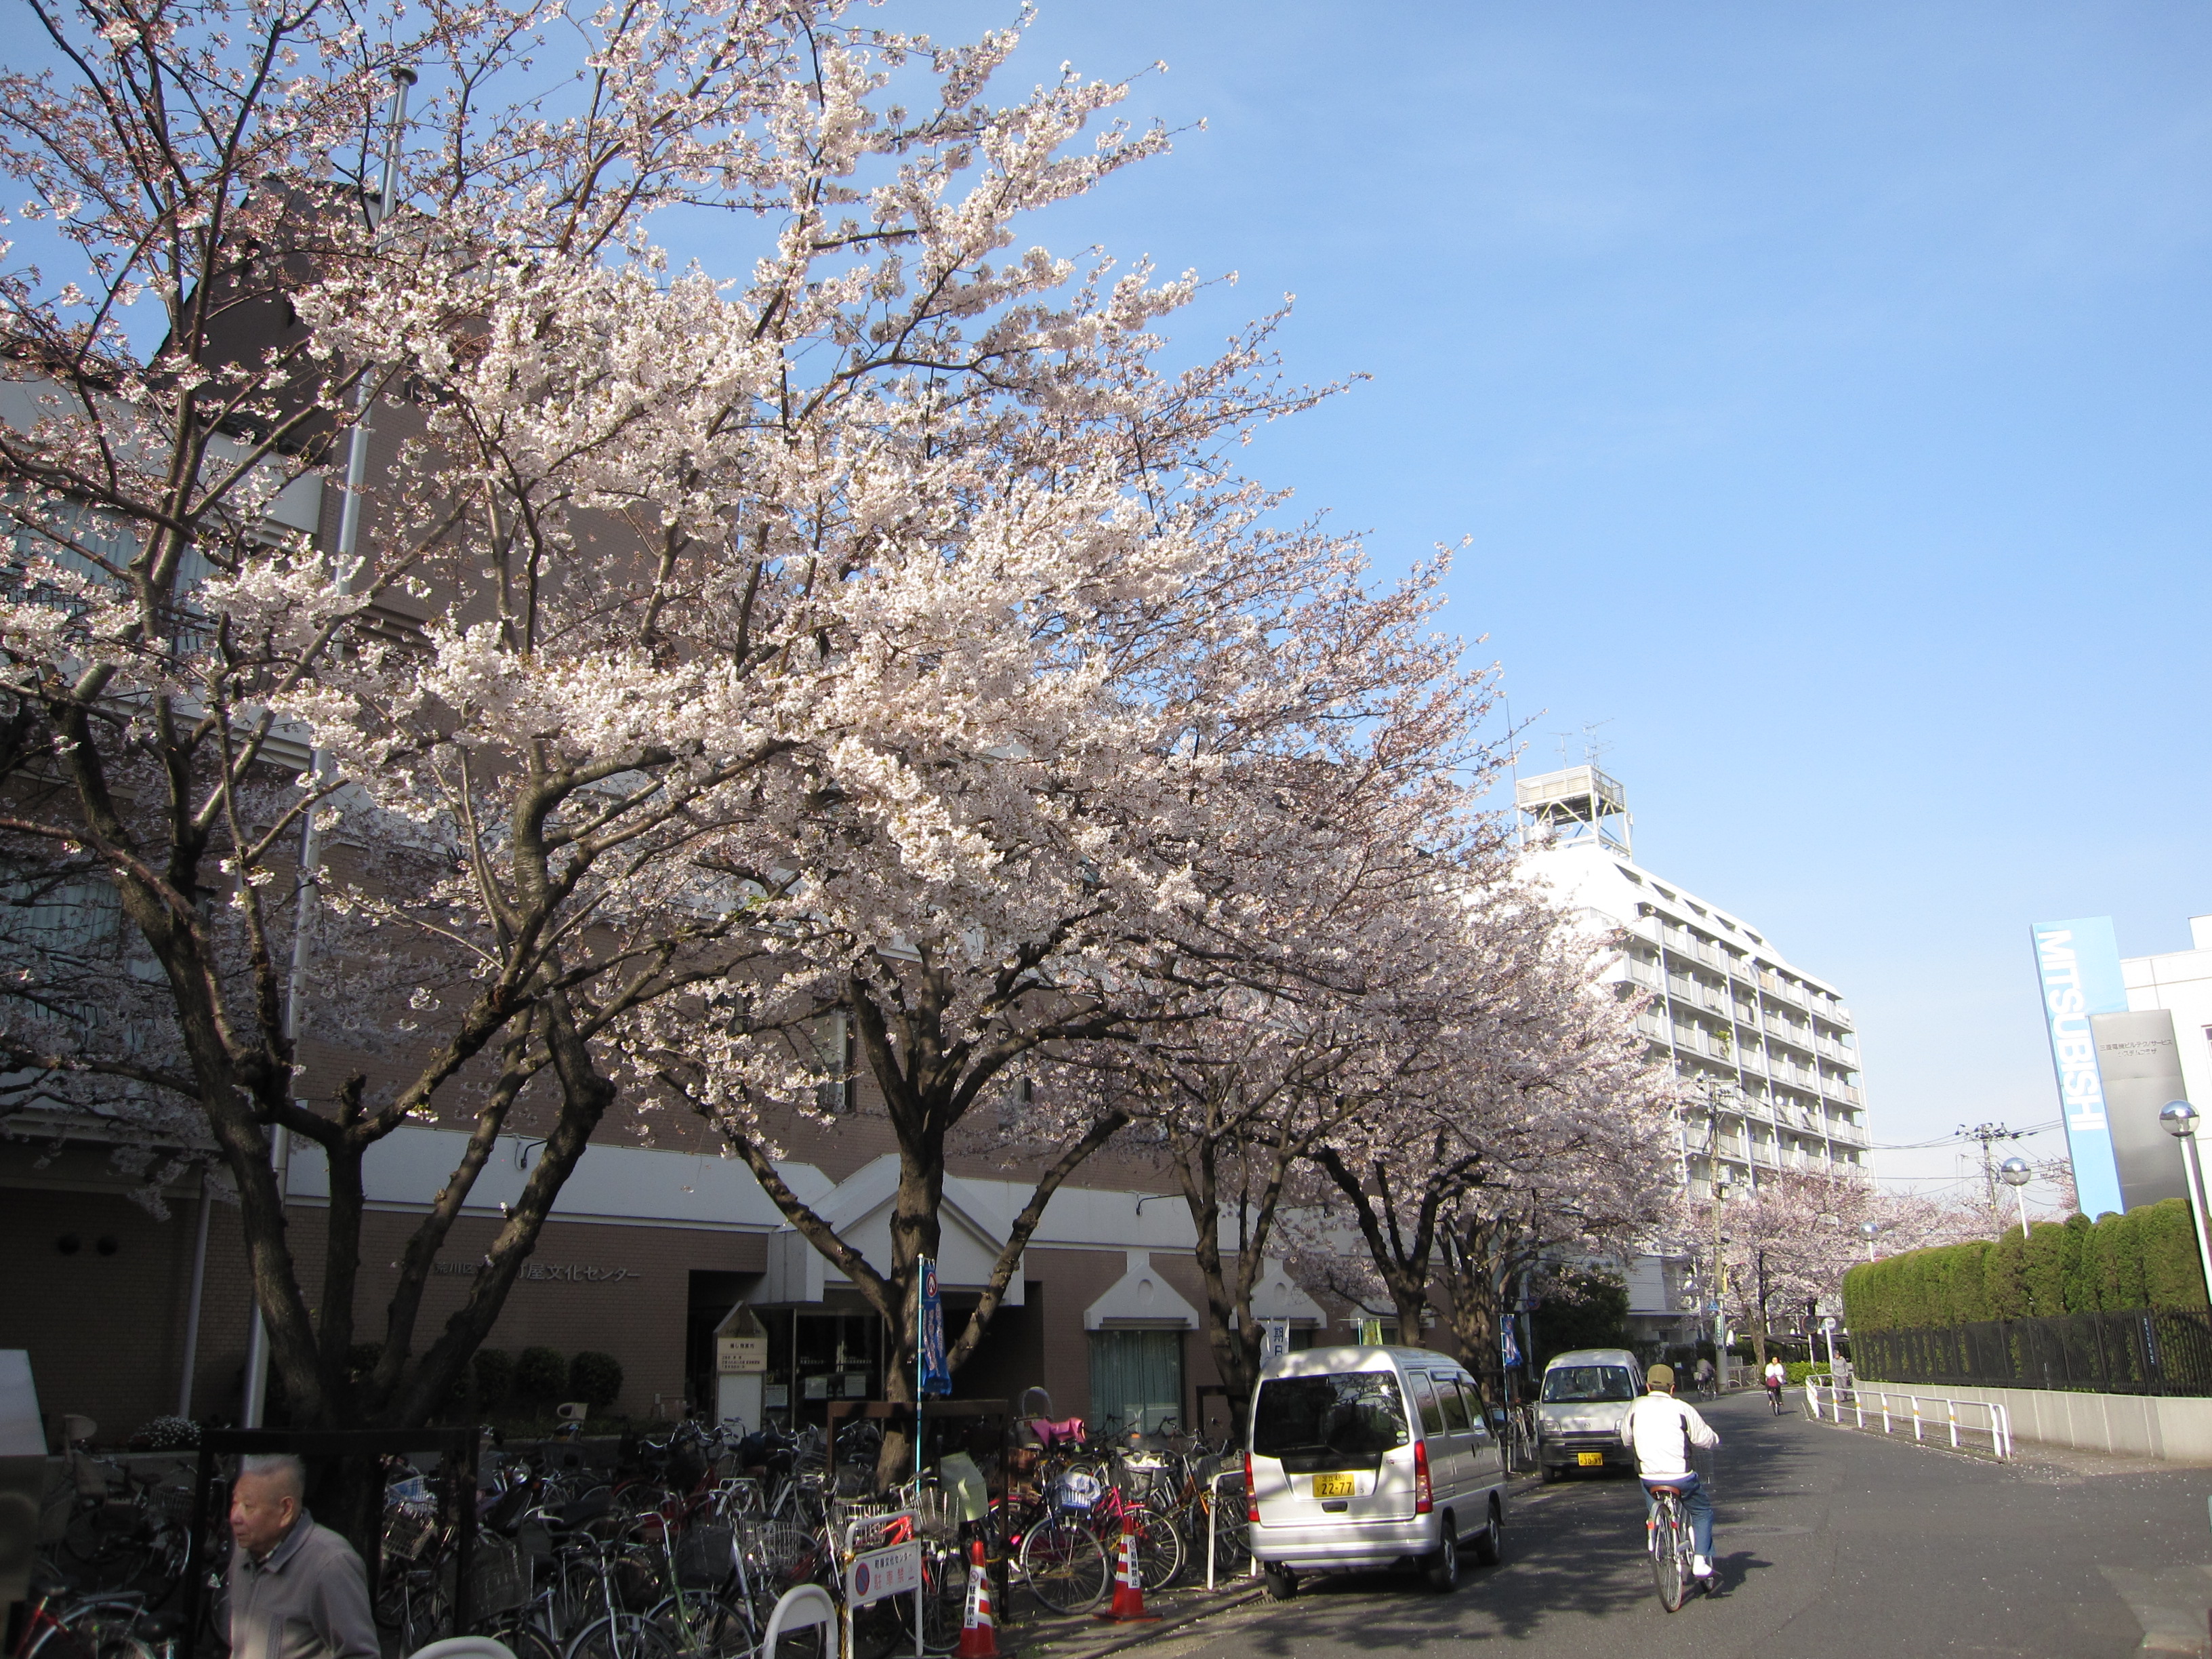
(1697, 1504)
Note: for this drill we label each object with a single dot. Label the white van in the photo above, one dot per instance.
(1369, 1457)
(1585, 1399)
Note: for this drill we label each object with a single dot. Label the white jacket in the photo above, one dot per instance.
(1663, 1430)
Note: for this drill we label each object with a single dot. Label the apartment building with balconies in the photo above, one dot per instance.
(1772, 1050)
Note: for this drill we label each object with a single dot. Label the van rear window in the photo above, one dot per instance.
(1351, 1414)
(1583, 1383)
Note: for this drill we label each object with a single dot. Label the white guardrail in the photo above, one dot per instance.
(1986, 1426)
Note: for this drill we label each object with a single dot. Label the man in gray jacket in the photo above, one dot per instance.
(297, 1591)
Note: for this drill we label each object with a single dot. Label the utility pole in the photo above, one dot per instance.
(1989, 1134)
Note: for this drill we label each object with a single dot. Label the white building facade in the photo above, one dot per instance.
(2180, 982)
(1772, 1048)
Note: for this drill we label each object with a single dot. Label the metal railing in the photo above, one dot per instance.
(1986, 1427)
(2138, 1351)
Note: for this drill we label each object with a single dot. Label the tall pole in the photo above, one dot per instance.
(279, 1140)
(192, 1307)
(1720, 1284)
(2196, 1207)
(2020, 1194)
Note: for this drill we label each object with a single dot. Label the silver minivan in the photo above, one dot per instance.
(1585, 1398)
(1371, 1457)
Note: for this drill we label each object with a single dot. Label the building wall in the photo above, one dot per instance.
(2180, 981)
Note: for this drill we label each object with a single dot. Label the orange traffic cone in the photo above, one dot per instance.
(1129, 1583)
(979, 1638)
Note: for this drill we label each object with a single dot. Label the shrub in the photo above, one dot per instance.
(2004, 1277)
(540, 1375)
(495, 1376)
(596, 1379)
(2084, 1289)
(2045, 1269)
(2171, 1272)
(2146, 1258)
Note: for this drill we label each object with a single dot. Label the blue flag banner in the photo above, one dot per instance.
(1509, 1343)
(2078, 963)
(935, 1379)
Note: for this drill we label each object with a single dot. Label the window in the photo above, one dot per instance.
(1136, 1380)
(1315, 1420)
(1588, 1382)
(1455, 1420)
(1432, 1417)
(1474, 1408)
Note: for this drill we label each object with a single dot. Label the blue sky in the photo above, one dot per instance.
(1825, 391)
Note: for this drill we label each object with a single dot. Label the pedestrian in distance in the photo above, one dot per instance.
(1661, 1430)
(296, 1591)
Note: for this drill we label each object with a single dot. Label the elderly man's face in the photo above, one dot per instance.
(261, 1511)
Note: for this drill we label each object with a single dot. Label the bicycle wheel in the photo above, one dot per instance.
(943, 1601)
(1669, 1555)
(1160, 1552)
(94, 1632)
(703, 1624)
(624, 1635)
(1063, 1564)
(1232, 1538)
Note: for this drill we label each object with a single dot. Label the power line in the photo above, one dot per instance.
(1962, 1136)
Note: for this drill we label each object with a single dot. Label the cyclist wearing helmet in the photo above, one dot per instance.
(1661, 1430)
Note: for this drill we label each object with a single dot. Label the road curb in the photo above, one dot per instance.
(1114, 1642)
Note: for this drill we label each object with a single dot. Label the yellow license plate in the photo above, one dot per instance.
(1590, 1460)
(1332, 1485)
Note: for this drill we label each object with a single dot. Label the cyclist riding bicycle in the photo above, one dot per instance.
(1774, 1376)
(1661, 1430)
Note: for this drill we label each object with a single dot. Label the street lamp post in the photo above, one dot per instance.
(2179, 1120)
(1868, 1230)
(2015, 1174)
(1720, 1280)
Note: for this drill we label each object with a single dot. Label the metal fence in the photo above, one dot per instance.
(2140, 1352)
(1964, 1425)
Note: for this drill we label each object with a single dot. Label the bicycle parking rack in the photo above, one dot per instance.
(1825, 1402)
(459, 1445)
(1214, 1525)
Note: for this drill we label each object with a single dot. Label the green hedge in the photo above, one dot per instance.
(2144, 1259)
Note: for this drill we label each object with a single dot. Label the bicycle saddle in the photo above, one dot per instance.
(1675, 1492)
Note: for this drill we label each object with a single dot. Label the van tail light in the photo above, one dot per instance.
(1251, 1497)
(1424, 1495)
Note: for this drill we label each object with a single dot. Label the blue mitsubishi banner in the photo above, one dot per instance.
(2078, 966)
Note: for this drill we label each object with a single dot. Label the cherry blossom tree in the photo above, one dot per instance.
(692, 626)
(1789, 1240)
(1542, 1129)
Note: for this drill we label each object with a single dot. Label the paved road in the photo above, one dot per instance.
(1828, 1540)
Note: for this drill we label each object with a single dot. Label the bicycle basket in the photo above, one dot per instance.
(408, 1532)
(1078, 1489)
(703, 1556)
(499, 1578)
